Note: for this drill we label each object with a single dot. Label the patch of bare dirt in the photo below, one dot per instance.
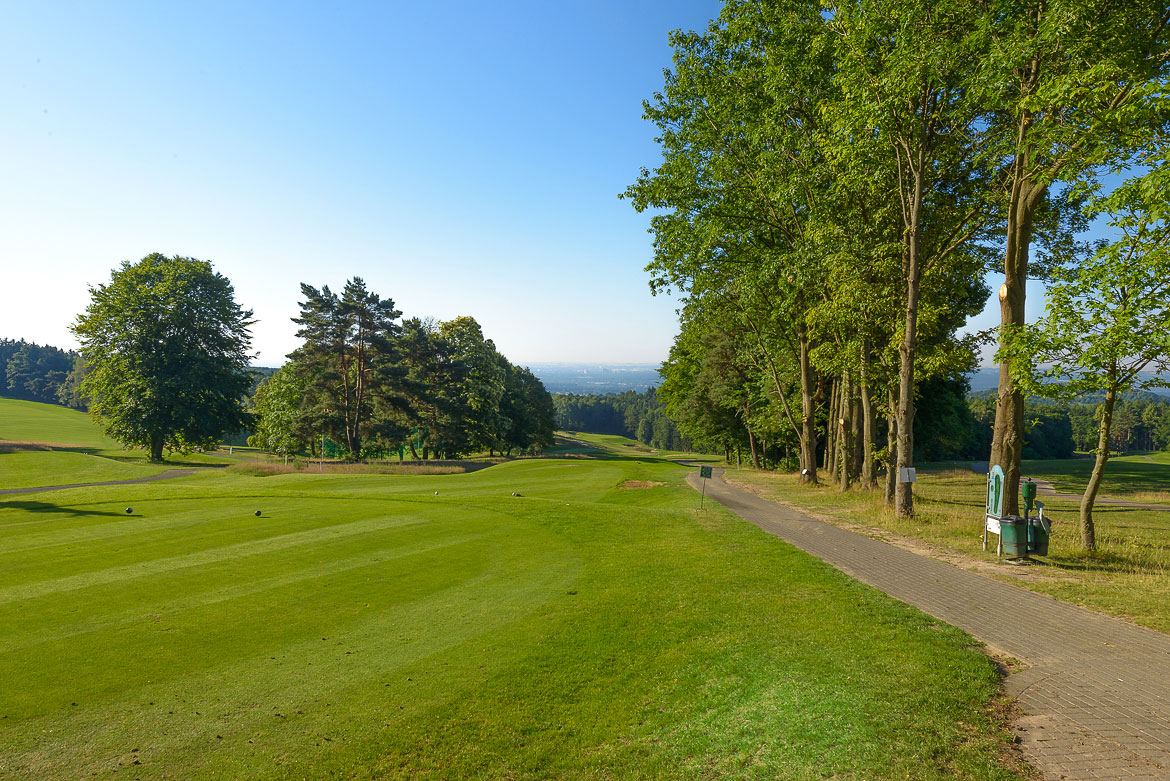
(630, 485)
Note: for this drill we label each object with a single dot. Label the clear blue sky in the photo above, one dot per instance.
(463, 157)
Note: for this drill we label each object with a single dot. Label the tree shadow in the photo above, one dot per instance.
(55, 509)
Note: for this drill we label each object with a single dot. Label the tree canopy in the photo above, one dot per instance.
(167, 349)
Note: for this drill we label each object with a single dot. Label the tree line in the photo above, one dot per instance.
(379, 386)
(164, 365)
(640, 416)
(838, 179)
(41, 373)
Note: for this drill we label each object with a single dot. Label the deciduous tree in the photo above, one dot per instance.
(167, 348)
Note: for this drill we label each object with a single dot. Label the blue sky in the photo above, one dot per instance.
(463, 157)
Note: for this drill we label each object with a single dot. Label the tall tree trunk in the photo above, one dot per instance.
(868, 466)
(156, 447)
(857, 435)
(891, 446)
(808, 423)
(845, 434)
(1008, 438)
(831, 434)
(751, 437)
(1088, 531)
(904, 491)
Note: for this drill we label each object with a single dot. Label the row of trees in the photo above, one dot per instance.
(838, 179)
(1060, 430)
(376, 384)
(641, 416)
(166, 353)
(41, 373)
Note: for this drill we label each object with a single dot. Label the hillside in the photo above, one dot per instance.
(31, 421)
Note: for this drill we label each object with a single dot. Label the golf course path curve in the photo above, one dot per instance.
(170, 474)
(1095, 690)
(1046, 488)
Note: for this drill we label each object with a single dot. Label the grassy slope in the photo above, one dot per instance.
(35, 422)
(80, 452)
(29, 469)
(365, 626)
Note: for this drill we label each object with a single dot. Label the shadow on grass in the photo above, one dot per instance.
(55, 509)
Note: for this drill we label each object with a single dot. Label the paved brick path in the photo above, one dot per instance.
(1096, 690)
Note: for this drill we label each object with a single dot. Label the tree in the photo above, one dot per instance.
(482, 388)
(69, 391)
(905, 118)
(36, 373)
(1067, 88)
(742, 185)
(167, 348)
(1107, 320)
(348, 362)
(276, 408)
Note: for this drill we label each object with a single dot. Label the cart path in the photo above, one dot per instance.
(1046, 488)
(170, 474)
(1095, 691)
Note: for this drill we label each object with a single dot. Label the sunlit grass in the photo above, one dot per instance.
(442, 626)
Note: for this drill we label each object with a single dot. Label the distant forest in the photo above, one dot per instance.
(952, 424)
(640, 416)
(40, 373)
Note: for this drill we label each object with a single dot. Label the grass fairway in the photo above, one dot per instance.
(365, 626)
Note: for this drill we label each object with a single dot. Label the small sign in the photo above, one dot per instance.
(906, 474)
(993, 524)
(995, 491)
(704, 471)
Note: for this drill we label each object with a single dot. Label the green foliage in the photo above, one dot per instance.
(167, 348)
(34, 372)
(276, 407)
(640, 416)
(379, 386)
(347, 361)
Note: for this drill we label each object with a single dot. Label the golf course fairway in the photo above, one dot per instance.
(599, 624)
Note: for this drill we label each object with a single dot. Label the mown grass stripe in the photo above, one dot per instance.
(42, 588)
(93, 622)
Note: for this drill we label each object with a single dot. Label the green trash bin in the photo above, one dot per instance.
(1039, 530)
(1013, 533)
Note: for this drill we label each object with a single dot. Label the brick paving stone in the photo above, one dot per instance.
(1095, 692)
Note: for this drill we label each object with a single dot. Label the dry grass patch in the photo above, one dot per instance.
(630, 485)
(18, 445)
(267, 469)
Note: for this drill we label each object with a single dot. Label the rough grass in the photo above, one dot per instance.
(1127, 576)
(437, 626)
(268, 468)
